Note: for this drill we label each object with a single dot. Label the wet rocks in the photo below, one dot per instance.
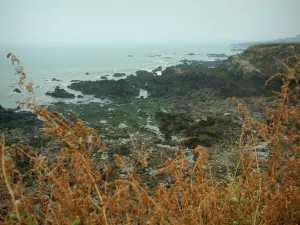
(60, 93)
(54, 79)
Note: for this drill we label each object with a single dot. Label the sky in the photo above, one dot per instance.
(118, 21)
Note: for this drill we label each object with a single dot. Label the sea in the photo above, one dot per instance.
(70, 62)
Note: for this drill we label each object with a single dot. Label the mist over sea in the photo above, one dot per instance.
(42, 63)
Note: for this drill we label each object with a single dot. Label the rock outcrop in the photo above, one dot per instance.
(60, 93)
(17, 90)
(261, 60)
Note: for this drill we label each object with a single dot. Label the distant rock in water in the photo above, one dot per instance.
(60, 93)
(222, 55)
(192, 54)
(17, 90)
(104, 77)
(54, 79)
(130, 56)
(167, 58)
(154, 56)
(87, 73)
(75, 81)
(80, 96)
(119, 75)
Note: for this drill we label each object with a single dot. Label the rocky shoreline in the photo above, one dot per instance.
(188, 100)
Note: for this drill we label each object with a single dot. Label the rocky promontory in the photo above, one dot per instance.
(241, 75)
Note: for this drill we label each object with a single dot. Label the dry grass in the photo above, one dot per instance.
(72, 191)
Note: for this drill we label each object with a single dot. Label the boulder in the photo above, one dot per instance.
(80, 96)
(87, 73)
(54, 79)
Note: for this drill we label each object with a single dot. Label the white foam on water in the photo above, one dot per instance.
(143, 93)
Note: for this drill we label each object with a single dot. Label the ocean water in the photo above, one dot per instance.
(71, 62)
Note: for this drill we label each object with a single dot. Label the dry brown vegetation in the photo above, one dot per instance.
(72, 191)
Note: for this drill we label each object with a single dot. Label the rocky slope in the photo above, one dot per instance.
(261, 60)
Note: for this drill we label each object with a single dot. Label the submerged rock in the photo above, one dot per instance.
(54, 79)
(60, 93)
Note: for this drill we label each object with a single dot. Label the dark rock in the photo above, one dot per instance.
(60, 93)
(17, 90)
(167, 58)
(106, 88)
(9, 119)
(54, 79)
(37, 86)
(80, 96)
(87, 73)
(119, 75)
(191, 54)
(75, 81)
(221, 55)
(104, 77)
(158, 69)
(151, 56)
(207, 64)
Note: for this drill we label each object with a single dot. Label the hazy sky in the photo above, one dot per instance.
(73, 21)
